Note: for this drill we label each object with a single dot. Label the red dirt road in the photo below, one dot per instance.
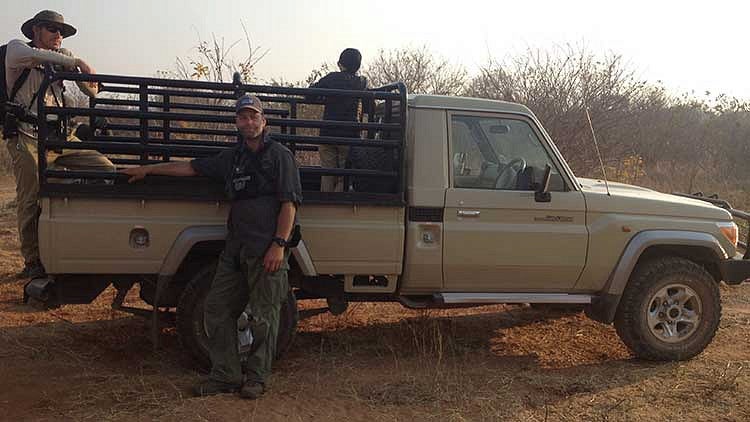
(374, 363)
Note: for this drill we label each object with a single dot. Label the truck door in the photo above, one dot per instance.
(497, 237)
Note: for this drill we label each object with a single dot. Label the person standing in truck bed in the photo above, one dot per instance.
(341, 109)
(24, 75)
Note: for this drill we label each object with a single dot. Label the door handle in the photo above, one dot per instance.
(468, 213)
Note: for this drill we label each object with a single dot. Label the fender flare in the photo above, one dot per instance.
(185, 242)
(177, 253)
(182, 246)
(194, 235)
(604, 307)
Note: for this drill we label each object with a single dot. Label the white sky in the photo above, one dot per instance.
(689, 45)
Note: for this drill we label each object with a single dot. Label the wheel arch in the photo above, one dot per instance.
(196, 245)
(699, 247)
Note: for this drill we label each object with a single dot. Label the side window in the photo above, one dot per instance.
(466, 155)
(498, 153)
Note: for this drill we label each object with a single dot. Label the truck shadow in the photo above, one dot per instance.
(556, 355)
(522, 357)
(497, 330)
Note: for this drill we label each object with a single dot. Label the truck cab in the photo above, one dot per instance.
(449, 201)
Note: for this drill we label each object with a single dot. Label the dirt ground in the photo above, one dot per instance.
(376, 362)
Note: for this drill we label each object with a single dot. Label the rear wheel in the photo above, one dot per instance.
(191, 329)
(670, 310)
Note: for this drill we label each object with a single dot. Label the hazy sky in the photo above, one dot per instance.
(690, 46)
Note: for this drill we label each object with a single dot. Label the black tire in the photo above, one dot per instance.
(190, 328)
(654, 331)
(372, 158)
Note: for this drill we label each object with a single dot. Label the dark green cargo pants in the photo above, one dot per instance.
(240, 284)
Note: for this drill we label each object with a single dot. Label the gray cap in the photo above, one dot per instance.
(249, 101)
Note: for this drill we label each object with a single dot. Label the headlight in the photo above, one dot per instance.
(729, 230)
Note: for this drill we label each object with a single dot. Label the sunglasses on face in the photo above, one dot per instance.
(53, 28)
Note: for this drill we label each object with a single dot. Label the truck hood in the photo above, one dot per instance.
(629, 199)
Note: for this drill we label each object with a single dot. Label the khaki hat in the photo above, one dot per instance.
(249, 101)
(47, 16)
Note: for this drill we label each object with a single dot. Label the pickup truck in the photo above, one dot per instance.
(449, 202)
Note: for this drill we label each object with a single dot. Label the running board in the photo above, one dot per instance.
(465, 298)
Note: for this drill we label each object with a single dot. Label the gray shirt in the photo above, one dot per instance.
(258, 183)
(20, 56)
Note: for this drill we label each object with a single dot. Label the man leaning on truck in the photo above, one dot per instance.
(24, 75)
(262, 180)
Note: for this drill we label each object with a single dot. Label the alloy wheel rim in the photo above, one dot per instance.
(674, 313)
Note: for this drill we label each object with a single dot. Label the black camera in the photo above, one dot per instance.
(10, 125)
(12, 114)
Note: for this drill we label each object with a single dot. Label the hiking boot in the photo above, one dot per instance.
(211, 388)
(252, 390)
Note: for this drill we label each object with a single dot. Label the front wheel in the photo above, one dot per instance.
(670, 310)
(191, 329)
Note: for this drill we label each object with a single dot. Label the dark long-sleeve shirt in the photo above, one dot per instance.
(338, 107)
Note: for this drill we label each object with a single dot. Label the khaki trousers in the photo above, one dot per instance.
(23, 153)
(332, 156)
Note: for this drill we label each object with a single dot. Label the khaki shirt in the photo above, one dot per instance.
(20, 56)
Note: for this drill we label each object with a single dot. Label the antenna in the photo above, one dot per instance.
(598, 154)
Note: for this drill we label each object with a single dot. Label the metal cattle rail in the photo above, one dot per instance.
(158, 120)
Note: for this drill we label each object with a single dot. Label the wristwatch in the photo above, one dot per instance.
(279, 241)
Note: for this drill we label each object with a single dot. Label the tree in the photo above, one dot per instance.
(215, 63)
(422, 71)
(559, 86)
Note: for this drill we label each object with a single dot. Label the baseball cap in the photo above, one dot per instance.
(249, 101)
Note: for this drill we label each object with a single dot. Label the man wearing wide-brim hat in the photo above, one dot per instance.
(24, 74)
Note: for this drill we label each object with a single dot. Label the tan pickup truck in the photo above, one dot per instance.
(449, 202)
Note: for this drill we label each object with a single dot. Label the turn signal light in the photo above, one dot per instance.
(729, 230)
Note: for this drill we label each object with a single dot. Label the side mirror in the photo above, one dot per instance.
(459, 164)
(542, 192)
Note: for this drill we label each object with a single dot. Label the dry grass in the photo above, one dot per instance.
(376, 362)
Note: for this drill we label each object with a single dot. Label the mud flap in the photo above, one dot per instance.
(39, 289)
(161, 285)
(603, 308)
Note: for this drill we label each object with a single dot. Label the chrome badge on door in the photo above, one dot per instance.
(555, 219)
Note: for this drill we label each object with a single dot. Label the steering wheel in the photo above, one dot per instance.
(507, 177)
